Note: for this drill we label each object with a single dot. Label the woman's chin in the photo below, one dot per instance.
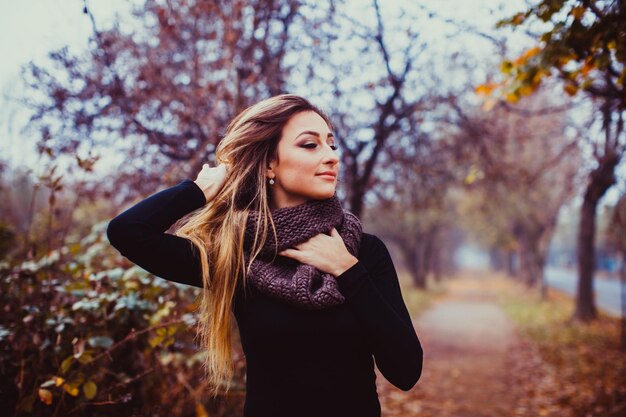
(323, 195)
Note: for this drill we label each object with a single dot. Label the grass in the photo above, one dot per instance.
(417, 301)
(584, 358)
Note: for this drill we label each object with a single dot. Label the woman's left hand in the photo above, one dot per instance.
(326, 253)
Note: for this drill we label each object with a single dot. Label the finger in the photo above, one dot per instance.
(298, 246)
(290, 253)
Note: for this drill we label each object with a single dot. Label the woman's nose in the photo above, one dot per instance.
(331, 155)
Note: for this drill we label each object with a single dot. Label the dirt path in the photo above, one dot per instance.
(467, 341)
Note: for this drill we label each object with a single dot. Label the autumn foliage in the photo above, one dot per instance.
(86, 333)
(428, 165)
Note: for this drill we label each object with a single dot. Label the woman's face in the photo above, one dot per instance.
(306, 150)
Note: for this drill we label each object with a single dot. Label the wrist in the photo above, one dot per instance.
(206, 189)
(347, 264)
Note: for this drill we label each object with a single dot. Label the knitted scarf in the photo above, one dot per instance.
(285, 278)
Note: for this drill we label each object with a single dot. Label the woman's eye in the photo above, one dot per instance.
(314, 145)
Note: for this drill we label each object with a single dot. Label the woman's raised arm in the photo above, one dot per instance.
(139, 232)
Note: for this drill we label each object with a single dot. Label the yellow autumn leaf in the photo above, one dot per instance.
(536, 80)
(66, 364)
(70, 389)
(45, 396)
(531, 53)
(90, 389)
(506, 67)
(526, 90)
(75, 248)
(201, 411)
(155, 341)
(570, 89)
(58, 381)
(518, 19)
(588, 66)
(578, 12)
(484, 89)
(168, 341)
(519, 61)
(86, 357)
(512, 97)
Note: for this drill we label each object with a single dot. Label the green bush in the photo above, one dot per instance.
(85, 332)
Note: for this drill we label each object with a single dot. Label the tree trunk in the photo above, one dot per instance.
(412, 259)
(532, 265)
(497, 259)
(436, 264)
(429, 243)
(540, 265)
(623, 301)
(421, 269)
(601, 179)
(356, 197)
(524, 261)
(585, 305)
(510, 264)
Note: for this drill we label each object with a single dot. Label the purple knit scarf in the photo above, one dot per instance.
(285, 278)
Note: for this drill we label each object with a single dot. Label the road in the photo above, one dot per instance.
(607, 291)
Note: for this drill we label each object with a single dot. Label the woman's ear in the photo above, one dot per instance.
(272, 161)
(269, 171)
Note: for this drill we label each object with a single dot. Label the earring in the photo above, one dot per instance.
(271, 181)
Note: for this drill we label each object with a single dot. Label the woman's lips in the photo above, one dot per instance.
(327, 176)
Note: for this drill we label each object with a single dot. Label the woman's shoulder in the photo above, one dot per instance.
(371, 243)
(374, 254)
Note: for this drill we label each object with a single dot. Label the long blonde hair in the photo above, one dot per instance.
(217, 229)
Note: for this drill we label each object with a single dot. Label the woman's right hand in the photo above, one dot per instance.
(211, 180)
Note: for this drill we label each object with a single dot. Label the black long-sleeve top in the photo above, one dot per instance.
(299, 362)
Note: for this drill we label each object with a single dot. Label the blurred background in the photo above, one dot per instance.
(481, 140)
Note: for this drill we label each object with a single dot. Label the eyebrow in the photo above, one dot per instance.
(311, 132)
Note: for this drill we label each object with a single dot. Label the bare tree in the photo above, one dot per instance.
(413, 206)
(617, 236)
(372, 89)
(524, 169)
(164, 93)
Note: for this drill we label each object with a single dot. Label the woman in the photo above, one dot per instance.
(316, 300)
